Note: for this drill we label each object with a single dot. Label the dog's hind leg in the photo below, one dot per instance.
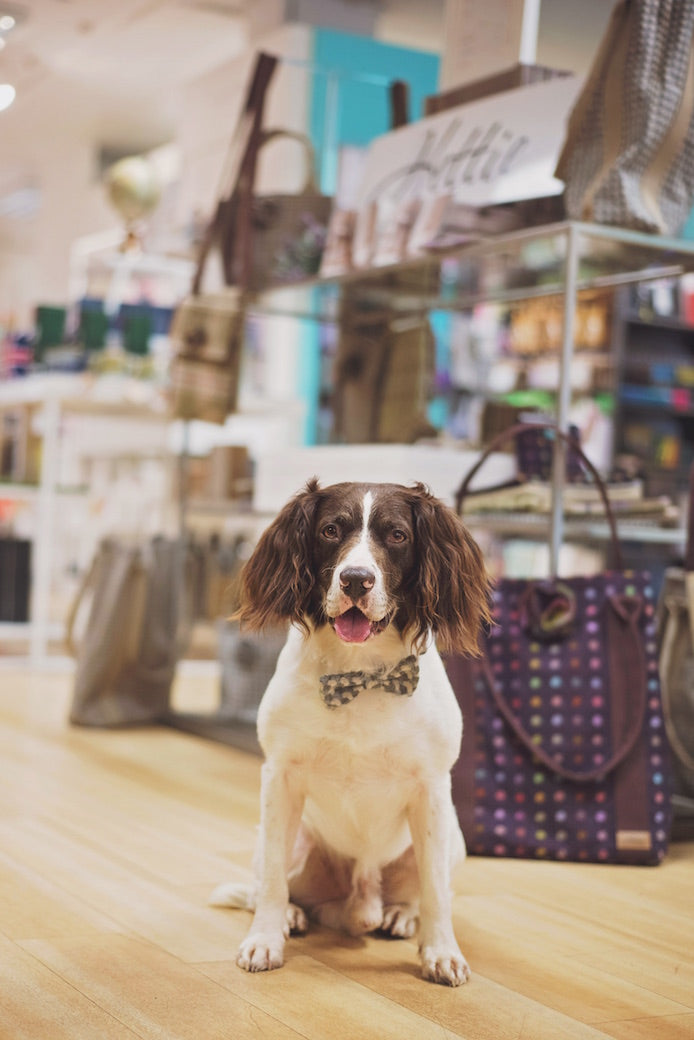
(400, 887)
(361, 911)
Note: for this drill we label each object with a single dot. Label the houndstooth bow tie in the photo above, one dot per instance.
(342, 688)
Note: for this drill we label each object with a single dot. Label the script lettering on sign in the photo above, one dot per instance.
(496, 150)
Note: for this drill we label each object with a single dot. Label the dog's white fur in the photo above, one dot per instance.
(356, 787)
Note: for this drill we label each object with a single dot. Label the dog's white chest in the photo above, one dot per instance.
(357, 803)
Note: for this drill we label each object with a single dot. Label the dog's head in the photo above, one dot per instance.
(361, 557)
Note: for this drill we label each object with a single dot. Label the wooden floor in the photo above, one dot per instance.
(110, 844)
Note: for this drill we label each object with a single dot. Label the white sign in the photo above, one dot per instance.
(499, 149)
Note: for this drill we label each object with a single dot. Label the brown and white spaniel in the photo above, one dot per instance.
(359, 725)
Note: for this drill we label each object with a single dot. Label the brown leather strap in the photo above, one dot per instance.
(399, 98)
(628, 688)
(689, 551)
(512, 432)
(239, 168)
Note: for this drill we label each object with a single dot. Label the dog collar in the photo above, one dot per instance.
(343, 687)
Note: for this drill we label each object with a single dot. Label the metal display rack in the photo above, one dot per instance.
(556, 259)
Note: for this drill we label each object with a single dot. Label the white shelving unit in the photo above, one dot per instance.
(53, 396)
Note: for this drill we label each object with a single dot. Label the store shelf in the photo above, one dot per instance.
(19, 492)
(504, 269)
(534, 526)
(87, 393)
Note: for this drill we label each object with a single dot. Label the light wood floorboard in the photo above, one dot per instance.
(110, 843)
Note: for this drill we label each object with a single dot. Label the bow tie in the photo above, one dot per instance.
(342, 688)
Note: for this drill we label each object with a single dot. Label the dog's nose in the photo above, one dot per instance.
(355, 581)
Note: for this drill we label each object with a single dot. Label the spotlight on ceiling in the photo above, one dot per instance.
(11, 15)
(7, 95)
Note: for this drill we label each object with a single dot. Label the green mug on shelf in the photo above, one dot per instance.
(137, 328)
(50, 328)
(93, 328)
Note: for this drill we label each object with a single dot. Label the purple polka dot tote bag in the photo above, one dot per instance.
(564, 751)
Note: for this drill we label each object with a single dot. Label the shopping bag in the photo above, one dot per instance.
(675, 627)
(207, 337)
(137, 602)
(207, 330)
(628, 157)
(565, 754)
(248, 661)
(288, 230)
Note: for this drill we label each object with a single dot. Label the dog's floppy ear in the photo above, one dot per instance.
(451, 587)
(277, 581)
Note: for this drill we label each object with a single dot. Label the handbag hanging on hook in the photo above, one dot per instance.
(207, 330)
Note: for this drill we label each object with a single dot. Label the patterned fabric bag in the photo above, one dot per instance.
(565, 754)
(628, 158)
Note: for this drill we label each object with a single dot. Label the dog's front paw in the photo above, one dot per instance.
(261, 951)
(444, 965)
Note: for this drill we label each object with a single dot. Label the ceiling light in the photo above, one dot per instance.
(7, 22)
(7, 95)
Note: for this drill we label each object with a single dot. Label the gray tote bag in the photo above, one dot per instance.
(137, 604)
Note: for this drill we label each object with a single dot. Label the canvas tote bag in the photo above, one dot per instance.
(628, 158)
(138, 606)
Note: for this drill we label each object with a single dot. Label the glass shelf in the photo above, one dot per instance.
(503, 269)
(537, 526)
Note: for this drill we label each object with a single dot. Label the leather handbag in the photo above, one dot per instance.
(675, 623)
(288, 230)
(138, 605)
(207, 330)
(628, 158)
(565, 754)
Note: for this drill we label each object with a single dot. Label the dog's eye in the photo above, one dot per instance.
(331, 532)
(397, 535)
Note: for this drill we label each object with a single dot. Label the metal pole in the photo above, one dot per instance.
(46, 535)
(564, 395)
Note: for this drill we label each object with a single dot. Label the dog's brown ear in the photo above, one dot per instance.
(451, 588)
(277, 581)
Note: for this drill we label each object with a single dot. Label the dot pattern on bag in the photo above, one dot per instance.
(559, 694)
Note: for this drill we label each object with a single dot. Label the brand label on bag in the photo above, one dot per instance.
(633, 840)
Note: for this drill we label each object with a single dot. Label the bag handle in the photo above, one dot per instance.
(131, 636)
(267, 136)
(632, 676)
(399, 96)
(512, 432)
(240, 163)
(84, 587)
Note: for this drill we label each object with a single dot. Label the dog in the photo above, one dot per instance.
(359, 725)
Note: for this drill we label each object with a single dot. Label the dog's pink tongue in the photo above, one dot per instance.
(353, 626)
